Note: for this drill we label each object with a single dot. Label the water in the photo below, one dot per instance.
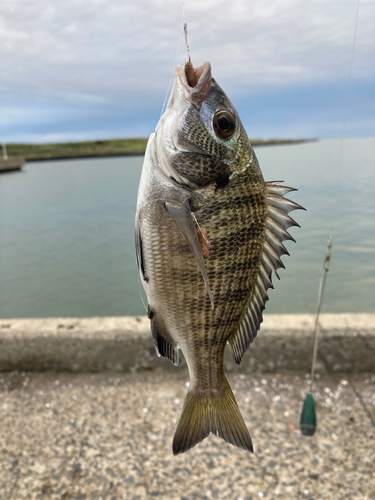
(66, 233)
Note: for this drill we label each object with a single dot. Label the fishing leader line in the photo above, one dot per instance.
(308, 415)
(164, 106)
(320, 301)
(182, 25)
(347, 92)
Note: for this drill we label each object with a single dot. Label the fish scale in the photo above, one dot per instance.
(209, 235)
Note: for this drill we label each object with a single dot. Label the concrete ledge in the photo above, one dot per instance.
(284, 343)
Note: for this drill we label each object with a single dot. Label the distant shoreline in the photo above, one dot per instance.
(106, 148)
(83, 156)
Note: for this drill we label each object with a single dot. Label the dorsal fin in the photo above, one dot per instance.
(277, 223)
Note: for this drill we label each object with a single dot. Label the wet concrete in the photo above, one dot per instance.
(108, 436)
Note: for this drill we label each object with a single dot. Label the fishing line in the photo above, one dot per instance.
(143, 302)
(347, 92)
(320, 301)
(308, 415)
(175, 58)
(165, 101)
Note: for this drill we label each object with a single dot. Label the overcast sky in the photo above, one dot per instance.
(79, 69)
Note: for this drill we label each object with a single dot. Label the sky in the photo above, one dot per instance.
(82, 70)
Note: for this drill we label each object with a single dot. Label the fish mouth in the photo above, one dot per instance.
(191, 86)
(195, 81)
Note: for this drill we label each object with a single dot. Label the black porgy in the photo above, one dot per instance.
(209, 235)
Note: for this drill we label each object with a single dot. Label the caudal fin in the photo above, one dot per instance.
(216, 413)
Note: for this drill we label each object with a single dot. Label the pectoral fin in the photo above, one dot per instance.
(184, 221)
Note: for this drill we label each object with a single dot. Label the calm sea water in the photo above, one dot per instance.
(66, 233)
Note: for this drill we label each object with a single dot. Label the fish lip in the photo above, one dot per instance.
(198, 93)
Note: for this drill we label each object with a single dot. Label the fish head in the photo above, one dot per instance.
(200, 138)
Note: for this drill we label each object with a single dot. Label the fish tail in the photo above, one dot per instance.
(216, 412)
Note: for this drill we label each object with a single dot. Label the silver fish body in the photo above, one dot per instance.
(209, 234)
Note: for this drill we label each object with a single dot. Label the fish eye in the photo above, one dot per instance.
(224, 124)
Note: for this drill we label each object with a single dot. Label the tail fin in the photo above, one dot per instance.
(216, 413)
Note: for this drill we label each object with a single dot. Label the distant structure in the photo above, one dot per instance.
(5, 156)
(9, 164)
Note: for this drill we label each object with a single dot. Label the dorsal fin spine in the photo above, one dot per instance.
(274, 188)
(266, 277)
(278, 230)
(262, 288)
(273, 255)
(283, 203)
(270, 265)
(258, 306)
(259, 299)
(255, 316)
(276, 243)
(282, 218)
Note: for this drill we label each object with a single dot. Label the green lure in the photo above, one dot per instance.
(308, 416)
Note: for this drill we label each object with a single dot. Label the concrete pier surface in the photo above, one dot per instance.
(109, 435)
(120, 344)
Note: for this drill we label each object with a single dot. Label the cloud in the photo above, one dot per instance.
(105, 46)
(116, 52)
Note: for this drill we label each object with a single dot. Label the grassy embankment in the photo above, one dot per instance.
(113, 147)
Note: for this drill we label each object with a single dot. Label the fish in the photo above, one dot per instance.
(209, 235)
